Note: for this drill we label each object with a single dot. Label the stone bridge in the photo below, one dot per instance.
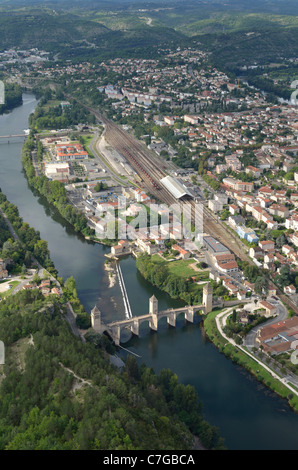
(133, 324)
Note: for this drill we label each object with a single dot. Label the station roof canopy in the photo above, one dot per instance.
(176, 188)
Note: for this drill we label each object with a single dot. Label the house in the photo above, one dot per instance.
(55, 291)
(256, 252)
(271, 290)
(3, 270)
(269, 262)
(235, 220)
(241, 294)
(265, 191)
(224, 258)
(290, 290)
(120, 249)
(214, 205)
(292, 222)
(248, 234)
(223, 198)
(191, 119)
(232, 288)
(250, 286)
(266, 245)
(279, 210)
(295, 238)
(229, 267)
(270, 310)
(234, 209)
(243, 317)
(183, 253)
(256, 172)
(279, 337)
(147, 246)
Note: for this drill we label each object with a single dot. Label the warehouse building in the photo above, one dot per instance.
(177, 189)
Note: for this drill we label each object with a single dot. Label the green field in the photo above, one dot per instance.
(182, 268)
(86, 142)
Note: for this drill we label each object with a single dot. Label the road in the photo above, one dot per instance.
(282, 314)
(151, 171)
(287, 380)
(94, 147)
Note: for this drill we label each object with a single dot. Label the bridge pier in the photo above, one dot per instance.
(153, 322)
(171, 319)
(116, 332)
(135, 328)
(189, 315)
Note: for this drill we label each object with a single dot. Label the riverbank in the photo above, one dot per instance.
(239, 356)
(247, 414)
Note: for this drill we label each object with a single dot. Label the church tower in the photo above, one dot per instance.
(207, 297)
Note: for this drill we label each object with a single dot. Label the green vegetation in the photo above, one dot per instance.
(241, 358)
(59, 393)
(212, 182)
(18, 254)
(171, 277)
(53, 191)
(12, 286)
(13, 97)
(100, 186)
(54, 117)
(236, 330)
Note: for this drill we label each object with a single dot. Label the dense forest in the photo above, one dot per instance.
(57, 118)
(12, 97)
(19, 253)
(59, 393)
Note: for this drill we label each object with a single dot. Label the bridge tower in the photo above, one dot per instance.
(96, 319)
(207, 297)
(153, 311)
(153, 305)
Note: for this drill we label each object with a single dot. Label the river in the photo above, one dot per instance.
(248, 415)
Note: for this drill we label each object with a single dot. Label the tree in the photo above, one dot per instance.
(83, 320)
(261, 285)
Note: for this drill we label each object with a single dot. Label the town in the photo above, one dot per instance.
(221, 145)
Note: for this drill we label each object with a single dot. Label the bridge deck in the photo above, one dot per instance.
(148, 316)
(13, 135)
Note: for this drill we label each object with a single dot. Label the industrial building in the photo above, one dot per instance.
(215, 246)
(177, 189)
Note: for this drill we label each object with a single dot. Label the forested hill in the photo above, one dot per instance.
(73, 35)
(235, 33)
(57, 393)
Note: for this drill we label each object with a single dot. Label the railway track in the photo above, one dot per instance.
(151, 174)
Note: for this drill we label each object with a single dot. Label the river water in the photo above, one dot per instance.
(248, 415)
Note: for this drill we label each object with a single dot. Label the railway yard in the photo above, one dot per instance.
(151, 172)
